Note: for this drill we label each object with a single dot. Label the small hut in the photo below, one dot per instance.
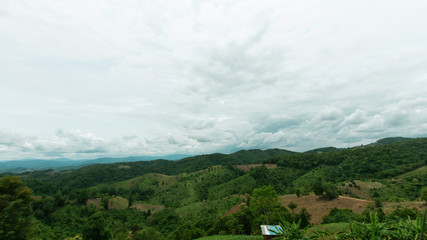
(269, 231)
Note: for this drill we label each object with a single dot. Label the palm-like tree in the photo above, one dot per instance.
(411, 229)
(374, 230)
(291, 231)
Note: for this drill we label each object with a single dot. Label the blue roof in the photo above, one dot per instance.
(268, 229)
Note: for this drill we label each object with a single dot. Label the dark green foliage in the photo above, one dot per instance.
(375, 229)
(107, 173)
(337, 215)
(166, 220)
(318, 187)
(304, 217)
(298, 192)
(390, 140)
(148, 233)
(403, 213)
(292, 206)
(423, 194)
(264, 200)
(330, 191)
(97, 228)
(15, 209)
(292, 230)
(376, 161)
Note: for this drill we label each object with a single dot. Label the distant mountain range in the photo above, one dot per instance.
(24, 165)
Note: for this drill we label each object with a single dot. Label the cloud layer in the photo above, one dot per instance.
(85, 79)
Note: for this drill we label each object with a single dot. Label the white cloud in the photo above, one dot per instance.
(197, 76)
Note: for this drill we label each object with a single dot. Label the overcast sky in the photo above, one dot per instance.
(86, 79)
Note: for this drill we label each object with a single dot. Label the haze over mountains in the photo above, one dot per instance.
(59, 164)
(23, 165)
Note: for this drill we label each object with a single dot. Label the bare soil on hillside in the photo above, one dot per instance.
(318, 207)
(145, 207)
(388, 207)
(248, 167)
(94, 201)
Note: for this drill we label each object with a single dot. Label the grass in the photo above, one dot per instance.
(231, 237)
(118, 203)
(414, 173)
(330, 227)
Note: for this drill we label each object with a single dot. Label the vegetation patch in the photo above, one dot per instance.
(360, 189)
(248, 167)
(231, 237)
(330, 227)
(118, 203)
(145, 207)
(318, 208)
(95, 202)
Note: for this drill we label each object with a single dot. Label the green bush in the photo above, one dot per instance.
(337, 215)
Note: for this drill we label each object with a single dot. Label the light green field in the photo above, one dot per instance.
(416, 172)
(331, 227)
(231, 237)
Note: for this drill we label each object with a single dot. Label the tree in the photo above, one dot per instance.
(318, 187)
(298, 192)
(372, 230)
(423, 195)
(15, 209)
(264, 200)
(292, 206)
(337, 215)
(330, 191)
(292, 230)
(148, 233)
(96, 227)
(303, 216)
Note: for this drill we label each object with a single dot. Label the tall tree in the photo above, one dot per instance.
(264, 200)
(15, 210)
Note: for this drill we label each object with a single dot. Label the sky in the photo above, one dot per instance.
(87, 79)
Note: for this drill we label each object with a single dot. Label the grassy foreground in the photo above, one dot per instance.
(331, 227)
(231, 237)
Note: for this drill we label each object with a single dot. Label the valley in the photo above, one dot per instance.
(228, 194)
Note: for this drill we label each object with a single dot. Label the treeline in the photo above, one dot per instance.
(106, 173)
(374, 162)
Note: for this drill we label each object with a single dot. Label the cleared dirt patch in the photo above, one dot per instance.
(160, 178)
(37, 197)
(118, 203)
(318, 208)
(388, 207)
(145, 207)
(360, 189)
(248, 167)
(232, 210)
(94, 201)
(123, 167)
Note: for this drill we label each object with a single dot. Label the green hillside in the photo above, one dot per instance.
(208, 195)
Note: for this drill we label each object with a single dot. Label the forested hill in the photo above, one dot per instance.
(131, 198)
(376, 160)
(105, 173)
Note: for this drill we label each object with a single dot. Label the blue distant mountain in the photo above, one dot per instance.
(24, 165)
